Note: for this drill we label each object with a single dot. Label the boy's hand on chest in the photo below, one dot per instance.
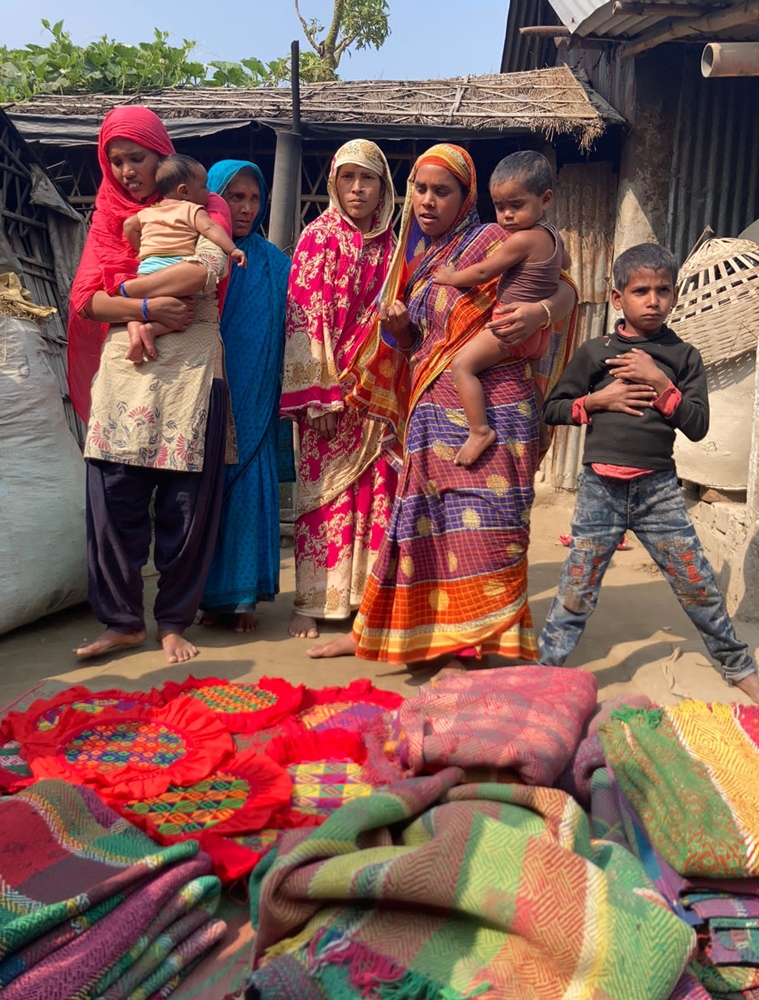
(638, 367)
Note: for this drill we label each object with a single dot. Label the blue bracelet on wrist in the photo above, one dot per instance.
(123, 290)
(145, 310)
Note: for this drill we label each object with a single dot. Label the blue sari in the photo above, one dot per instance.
(245, 566)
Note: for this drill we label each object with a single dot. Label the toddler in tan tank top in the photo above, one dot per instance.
(528, 265)
(168, 232)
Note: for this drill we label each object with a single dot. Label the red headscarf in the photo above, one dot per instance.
(108, 259)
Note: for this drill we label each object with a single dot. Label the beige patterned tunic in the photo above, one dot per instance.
(155, 414)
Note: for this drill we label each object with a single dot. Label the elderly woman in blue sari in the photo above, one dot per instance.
(245, 566)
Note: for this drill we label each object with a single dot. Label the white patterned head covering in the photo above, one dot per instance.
(369, 156)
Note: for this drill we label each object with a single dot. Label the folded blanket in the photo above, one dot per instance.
(525, 719)
(451, 891)
(84, 896)
(691, 772)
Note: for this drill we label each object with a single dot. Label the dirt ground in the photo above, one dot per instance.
(638, 641)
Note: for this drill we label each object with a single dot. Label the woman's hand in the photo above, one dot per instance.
(176, 314)
(516, 322)
(326, 424)
(395, 318)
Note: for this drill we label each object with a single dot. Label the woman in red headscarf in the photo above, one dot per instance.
(157, 428)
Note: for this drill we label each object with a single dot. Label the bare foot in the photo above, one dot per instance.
(474, 446)
(108, 641)
(135, 354)
(303, 626)
(176, 648)
(750, 686)
(344, 645)
(246, 621)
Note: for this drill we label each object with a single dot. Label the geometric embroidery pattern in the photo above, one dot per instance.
(243, 708)
(189, 810)
(141, 744)
(94, 706)
(323, 786)
(239, 797)
(132, 754)
(233, 698)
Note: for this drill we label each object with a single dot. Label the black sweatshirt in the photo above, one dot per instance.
(618, 438)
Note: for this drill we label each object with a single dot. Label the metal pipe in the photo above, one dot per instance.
(730, 59)
(720, 20)
(285, 191)
(295, 83)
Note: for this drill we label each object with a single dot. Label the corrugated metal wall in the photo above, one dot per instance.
(521, 52)
(584, 211)
(715, 169)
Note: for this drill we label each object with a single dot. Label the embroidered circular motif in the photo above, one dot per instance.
(94, 706)
(138, 744)
(233, 697)
(189, 810)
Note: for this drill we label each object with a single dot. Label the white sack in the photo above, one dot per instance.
(42, 485)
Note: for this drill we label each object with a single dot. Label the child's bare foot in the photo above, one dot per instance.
(136, 352)
(176, 648)
(303, 626)
(345, 645)
(108, 641)
(750, 686)
(474, 446)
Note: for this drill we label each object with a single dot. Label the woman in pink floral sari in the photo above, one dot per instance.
(346, 484)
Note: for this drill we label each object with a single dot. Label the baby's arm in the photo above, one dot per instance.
(133, 231)
(215, 233)
(512, 252)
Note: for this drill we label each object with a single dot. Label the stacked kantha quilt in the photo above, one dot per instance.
(444, 891)
(682, 791)
(91, 907)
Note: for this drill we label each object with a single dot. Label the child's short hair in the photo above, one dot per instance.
(643, 257)
(173, 170)
(527, 166)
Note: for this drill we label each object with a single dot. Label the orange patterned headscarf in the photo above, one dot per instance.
(411, 240)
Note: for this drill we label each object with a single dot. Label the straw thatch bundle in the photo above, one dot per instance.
(718, 307)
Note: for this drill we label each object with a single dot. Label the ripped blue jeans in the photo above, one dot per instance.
(653, 507)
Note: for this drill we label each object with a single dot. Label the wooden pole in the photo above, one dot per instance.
(721, 20)
(546, 31)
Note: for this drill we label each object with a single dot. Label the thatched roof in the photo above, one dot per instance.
(548, 101)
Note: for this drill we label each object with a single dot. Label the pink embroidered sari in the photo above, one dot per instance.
(345, 486)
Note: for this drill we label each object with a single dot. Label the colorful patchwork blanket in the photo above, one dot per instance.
(524, 719)
(446, 891)
(90, 906)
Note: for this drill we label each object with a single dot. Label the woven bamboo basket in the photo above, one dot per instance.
(718, 307)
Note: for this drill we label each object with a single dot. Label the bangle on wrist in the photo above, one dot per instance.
(123, 290)
(549, 321)
(145, 310)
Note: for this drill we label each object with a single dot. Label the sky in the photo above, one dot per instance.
(429, 38)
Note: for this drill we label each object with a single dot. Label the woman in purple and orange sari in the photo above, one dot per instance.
(450, 582)
(346, 484)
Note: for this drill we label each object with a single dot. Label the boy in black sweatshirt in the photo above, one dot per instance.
(632, 389)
